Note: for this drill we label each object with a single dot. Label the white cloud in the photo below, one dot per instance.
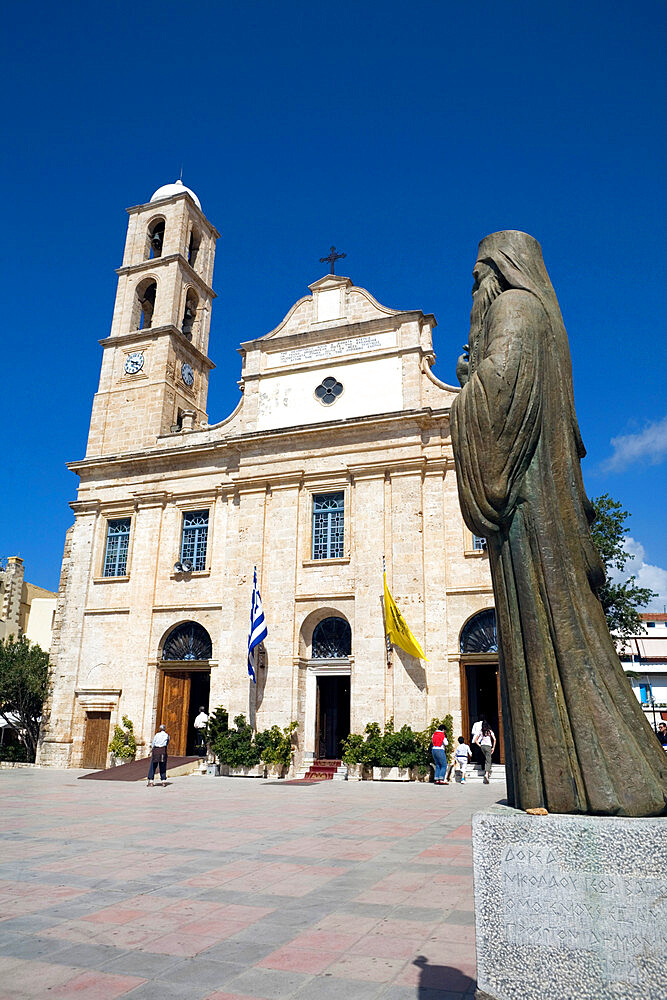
(653, 577)
(649, 444)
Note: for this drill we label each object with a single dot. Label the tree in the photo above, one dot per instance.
(24, 685)
(620, 601)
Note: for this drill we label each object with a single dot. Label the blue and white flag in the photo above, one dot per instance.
(258, 630)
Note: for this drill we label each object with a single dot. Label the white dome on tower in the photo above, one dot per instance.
(169, 190)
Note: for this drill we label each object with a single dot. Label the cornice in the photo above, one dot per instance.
(321, 335)
(181, 196)
(241, 442)
(153, 333)
(159, 263)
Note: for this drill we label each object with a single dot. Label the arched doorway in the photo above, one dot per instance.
(185, 681)
(330, 662)
(480, 684)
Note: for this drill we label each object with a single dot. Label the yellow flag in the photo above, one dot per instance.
(397, 628)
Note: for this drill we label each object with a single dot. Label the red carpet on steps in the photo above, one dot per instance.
(135, 770)
(322, 770)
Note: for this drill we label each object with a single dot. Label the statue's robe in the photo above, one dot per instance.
(576, 737)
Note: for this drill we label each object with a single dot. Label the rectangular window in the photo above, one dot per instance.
(328, 536)
(118, 541)
(193, 543)
(478, 544)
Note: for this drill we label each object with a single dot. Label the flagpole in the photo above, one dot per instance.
(386, 633)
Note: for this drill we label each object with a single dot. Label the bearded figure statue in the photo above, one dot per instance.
(575, 735)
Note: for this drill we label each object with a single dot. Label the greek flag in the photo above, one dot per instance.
(258, 630)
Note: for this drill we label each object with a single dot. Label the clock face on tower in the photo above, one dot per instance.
(187, 373)
(134, 362)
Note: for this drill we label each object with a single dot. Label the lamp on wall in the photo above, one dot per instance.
(187, 566)
(178, 568)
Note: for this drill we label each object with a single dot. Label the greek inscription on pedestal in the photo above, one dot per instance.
(547, 905)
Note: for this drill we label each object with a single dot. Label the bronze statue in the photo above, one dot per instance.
(576, 737)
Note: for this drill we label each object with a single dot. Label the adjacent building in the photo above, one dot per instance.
(338, 455)
(25, 608)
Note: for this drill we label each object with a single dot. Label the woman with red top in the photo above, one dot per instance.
(438, 744)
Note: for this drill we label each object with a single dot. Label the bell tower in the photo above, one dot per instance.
(155, 367)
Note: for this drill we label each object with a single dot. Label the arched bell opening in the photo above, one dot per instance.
(193, 248)
(155, 239)
(144, 304)
(190, 313)
(184, 684)
(480, 679)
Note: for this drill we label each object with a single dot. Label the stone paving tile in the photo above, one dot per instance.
(330, 988)
(271, 984)
(203, 972)
(355, 892)
(96, 986)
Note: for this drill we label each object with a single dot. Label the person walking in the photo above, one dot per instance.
(200, 725)
(159, 756)
(439, 754)
(486, 741)
(462, 755)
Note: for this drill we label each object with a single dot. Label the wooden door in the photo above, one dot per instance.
(174, 707)
(96, 742)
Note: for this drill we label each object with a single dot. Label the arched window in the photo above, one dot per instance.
(155, 238)
(190, 313)
(144, 305)
(189, 641)
(478, 635)
(332, 639)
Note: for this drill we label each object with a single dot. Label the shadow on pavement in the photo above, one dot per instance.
(434, 978)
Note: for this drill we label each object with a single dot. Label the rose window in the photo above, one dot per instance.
(328, 390)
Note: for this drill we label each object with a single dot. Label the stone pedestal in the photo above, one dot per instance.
(570, 906)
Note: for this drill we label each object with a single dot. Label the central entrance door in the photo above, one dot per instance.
(483, 697)
(333, 716)
(182, 694)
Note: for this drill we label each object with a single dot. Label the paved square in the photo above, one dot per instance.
(234, 889)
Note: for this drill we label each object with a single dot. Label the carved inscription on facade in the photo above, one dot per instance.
(547, 904)
(353, 345)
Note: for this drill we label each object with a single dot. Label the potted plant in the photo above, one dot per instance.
(218, 723)
(123, 746)
(238, 752)
(355, 757)
(276, 748)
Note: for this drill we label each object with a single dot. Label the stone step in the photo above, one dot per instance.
(475, 773)
(322, 770)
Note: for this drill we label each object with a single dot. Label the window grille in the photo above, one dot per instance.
(118, 541)
(332, 639)
(329, 390)
(479, 634)
(195, 534)
(189, 641)
(478, 544)
(328, 535)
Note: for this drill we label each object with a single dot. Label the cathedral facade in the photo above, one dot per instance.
(338, 455)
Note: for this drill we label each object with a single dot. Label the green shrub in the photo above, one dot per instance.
(16, 753)
(276, 746)
(218, 723)
(123, 744)
(237, 747)
(392, 748)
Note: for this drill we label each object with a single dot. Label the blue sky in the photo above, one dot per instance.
(403, 133)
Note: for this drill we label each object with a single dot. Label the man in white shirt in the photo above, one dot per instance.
(200, 725)
(159, 755)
